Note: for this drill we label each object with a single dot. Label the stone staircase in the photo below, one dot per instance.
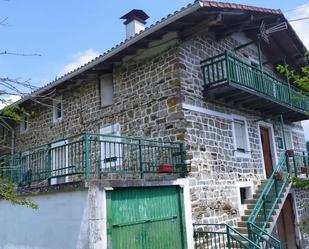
(250, 204)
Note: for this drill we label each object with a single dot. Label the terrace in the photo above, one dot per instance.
(94, 156)
(240, 84)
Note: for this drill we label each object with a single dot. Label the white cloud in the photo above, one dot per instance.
(301, 28)
(9, 99)
(80, 59)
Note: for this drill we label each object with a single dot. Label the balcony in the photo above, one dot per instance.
(94, 156)
(239, 84)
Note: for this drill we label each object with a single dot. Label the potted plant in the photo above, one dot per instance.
(279, 175)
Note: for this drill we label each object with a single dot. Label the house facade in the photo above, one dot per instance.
(186, 122)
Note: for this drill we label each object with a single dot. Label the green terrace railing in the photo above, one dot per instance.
(227, 68)
(92, 155)
(209, 236)
(300, 161)
(266, 204)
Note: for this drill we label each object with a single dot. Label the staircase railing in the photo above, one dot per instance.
(266, 203)
(208, 236)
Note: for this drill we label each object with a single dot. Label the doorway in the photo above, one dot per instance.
(266, 143)
(286, 224)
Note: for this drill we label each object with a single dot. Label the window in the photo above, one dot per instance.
(106, 90)
(24, 125)
(288, 139)
(60, 162)
(57, 110)
(2, 133)
(112, 149)
(240, 135)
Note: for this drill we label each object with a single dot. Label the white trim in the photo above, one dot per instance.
(206, 111)
(55, 103)
(184, 184)
(288, 130)
(114, 129)
(22, 125)
(53, 181)
(249, 184)
(273, 148)
(247, 153)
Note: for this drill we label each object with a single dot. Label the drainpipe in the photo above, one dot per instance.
(13, 135)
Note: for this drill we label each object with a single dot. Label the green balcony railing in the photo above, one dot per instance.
(266, 204)
(91, 155)
(227, 68)
(208, 236)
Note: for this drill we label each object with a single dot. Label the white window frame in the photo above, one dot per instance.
(250, 185)
(247, 153)
(106, 84)
(54, 180)
(286, 132)
(55, 110)
(114, 129)
(23, 127)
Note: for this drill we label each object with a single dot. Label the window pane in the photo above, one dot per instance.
(240, 134)
(288, 139)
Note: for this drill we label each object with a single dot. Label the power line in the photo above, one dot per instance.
(299, 19)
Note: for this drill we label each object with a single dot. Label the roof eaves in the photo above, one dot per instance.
(114, 50)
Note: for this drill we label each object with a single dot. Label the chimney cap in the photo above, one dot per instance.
(135, 14)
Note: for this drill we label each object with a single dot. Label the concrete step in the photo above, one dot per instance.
(248, 211)
(242, 230)
(243, 224)
(246, 217)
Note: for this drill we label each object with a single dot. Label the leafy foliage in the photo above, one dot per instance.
(8, 192)
(300, 183)
(299, 77)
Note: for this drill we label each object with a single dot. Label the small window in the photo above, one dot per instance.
(240, 136)
(245, 194)
(24, 124)
(107, 90)
(2, 133)
(57, 110)
(288, 139)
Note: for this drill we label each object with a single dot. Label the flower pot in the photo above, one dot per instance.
(304, 170)
(290, 153)
(279, 176)
(166, 168)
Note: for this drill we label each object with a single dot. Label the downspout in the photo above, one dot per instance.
(13, 135)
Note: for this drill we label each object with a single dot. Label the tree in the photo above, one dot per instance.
(13, 87)
(300, 76)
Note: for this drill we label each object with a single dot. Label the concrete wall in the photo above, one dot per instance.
(67, 220)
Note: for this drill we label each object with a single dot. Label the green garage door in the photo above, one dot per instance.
(146, 218)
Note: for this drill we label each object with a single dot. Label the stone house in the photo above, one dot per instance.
(185, 122)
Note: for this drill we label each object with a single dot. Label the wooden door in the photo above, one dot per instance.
(146, 218)
(286, 224)
(268, 162)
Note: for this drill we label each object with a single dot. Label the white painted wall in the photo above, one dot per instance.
(68, 220)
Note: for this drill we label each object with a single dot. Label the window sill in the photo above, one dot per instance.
(57, 121)
(243, 154)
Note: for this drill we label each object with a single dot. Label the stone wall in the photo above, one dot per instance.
(146, 103)
(301, 202)
(217, 171)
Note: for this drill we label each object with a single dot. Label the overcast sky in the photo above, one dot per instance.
(70, 33)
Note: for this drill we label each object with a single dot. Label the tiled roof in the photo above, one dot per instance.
(214, 4)
(154, 27)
